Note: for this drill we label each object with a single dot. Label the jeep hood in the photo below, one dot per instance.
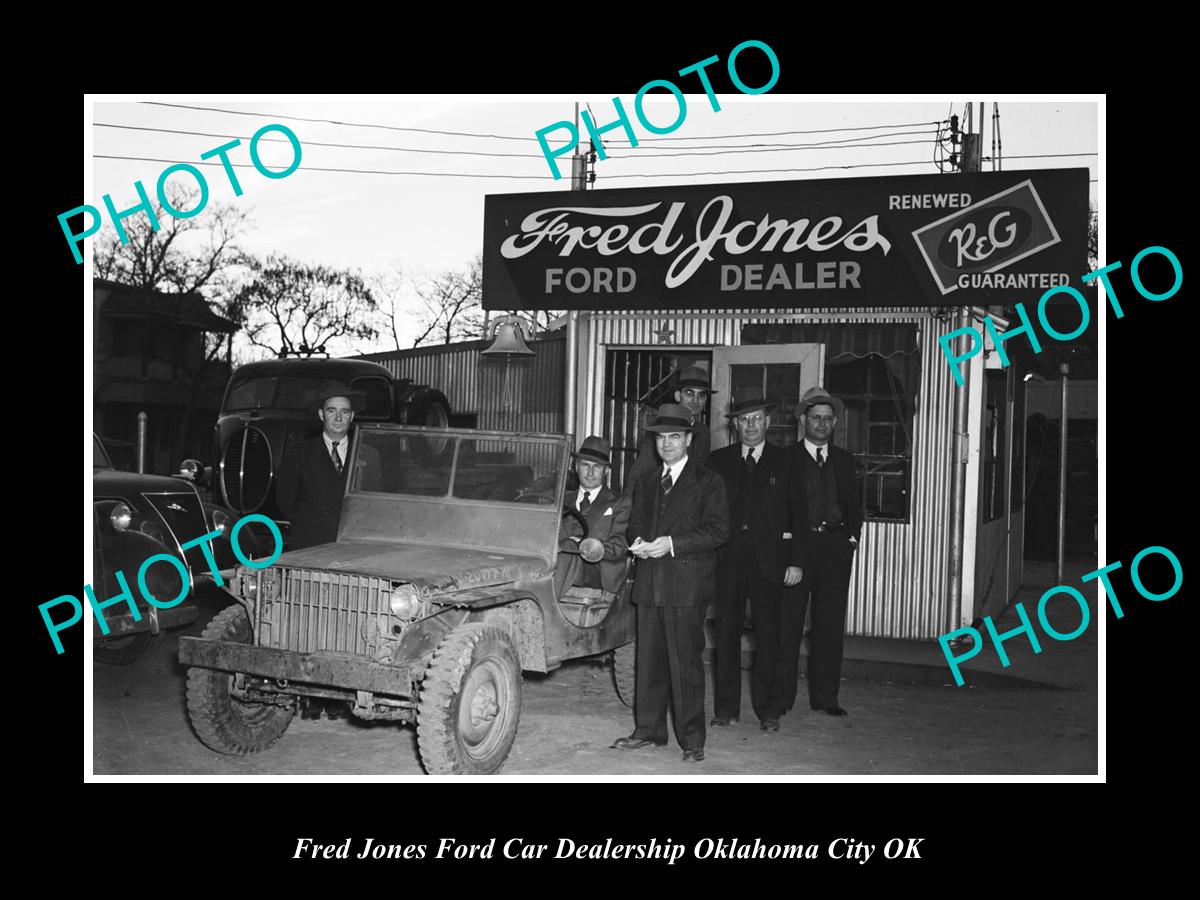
(432, 569)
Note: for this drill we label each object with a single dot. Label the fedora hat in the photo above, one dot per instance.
(594, 449)
(671, 417)
(696, 377)
(815, 395)
(337, 389)
(748, 405)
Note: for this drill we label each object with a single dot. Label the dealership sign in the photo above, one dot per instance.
(919, 240)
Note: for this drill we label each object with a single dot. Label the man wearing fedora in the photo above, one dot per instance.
(834, 521)
(763, 556)
(312, 475)
(680, 517)
(691, 392)
(607, 517)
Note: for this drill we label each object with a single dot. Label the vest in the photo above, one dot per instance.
(821, 488)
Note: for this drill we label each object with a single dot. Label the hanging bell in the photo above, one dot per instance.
(509, 338)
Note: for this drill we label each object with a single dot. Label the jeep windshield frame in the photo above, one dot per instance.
(462, 488)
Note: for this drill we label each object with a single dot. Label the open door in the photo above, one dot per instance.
(781, 372)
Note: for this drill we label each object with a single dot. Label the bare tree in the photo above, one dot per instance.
(388, 288)
(200, 255)
(292, 308)
(450, 305)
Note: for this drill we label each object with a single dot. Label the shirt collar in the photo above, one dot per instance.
(812, 449)
(675, 469)
(591, 495)
(329, 445)
(756, 451)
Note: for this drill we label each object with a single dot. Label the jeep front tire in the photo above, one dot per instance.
(222, 721)
(470, 702)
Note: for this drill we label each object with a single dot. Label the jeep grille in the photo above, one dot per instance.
(246, 469)
(325, 611)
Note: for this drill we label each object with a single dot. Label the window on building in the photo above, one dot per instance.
(875, 370)
(995, 446)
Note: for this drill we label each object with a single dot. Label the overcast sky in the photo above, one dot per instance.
(427, 222)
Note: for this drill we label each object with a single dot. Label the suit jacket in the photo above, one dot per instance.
(607, 519)
(777, 507)
(648, 461)
(849, 494)
(309, 492)
(696, 516)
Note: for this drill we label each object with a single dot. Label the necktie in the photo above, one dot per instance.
(666, 482)
(820, 456)
(337, 460)
(750, 464)
(586, 503)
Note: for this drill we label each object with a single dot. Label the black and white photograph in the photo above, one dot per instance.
(702, 432)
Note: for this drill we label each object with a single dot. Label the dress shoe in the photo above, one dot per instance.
(635, 743)
(723, 721)
(310, 708)
(769, 725)
(834, 711)
(693, 755)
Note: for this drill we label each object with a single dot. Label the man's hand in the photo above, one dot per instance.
(654, 549)
(569, 543)
(792, 576)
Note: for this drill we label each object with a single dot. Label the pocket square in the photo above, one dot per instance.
(787, 536)
(608, 512)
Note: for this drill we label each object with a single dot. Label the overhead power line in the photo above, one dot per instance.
(911, 162)
(634, 154)
(326, 169)
(509, 137)
(308, 143)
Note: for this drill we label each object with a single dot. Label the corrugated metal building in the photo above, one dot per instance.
(514, 394)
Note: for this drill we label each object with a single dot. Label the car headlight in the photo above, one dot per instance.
(151, 529)
(221, 520)
(405, 602)
(121, 516)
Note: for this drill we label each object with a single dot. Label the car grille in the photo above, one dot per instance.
(326, 611)
(184, 515)
(246, 470)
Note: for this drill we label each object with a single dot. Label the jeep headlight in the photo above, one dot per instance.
(405, 602)
(121, 516)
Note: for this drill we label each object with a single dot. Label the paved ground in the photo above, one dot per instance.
(1038, 716)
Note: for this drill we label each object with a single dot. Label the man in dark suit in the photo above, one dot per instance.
(607, 517)
(312, 475)
(766, 510)
(680, 517)
(692, 391)
(834, 510)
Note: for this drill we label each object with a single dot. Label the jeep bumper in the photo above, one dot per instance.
(343, 670)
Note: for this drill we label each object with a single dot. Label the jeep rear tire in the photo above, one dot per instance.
(470, 702)
(625, 672)
(220, 720)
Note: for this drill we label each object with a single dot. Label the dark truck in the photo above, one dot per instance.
(436, 595)
(268, 406)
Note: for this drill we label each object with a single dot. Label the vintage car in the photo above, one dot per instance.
(436, 595)
(269, 406)
(136, 516)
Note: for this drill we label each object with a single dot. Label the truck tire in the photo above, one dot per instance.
(625, 672)
(431, 409)
(470, 702)
(220, 720)
(126, 650)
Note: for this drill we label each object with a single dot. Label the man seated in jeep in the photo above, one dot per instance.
(607, 517)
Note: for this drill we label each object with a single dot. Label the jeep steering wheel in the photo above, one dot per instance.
(571, 511)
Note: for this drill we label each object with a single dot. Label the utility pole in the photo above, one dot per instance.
(972, 142)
